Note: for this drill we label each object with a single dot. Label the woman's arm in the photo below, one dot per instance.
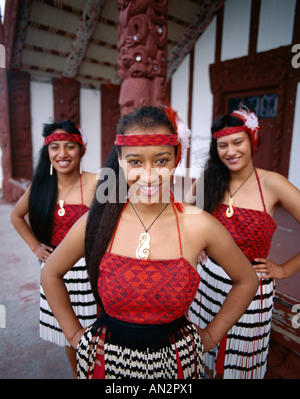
(270, 269)
(285, 194)
(69, 251)
(17, 217)
(222, 248)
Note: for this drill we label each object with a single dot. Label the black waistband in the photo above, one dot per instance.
(139, 336)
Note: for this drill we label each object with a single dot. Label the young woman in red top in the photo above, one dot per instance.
(59, 195)
(244, 199)
(142, 255)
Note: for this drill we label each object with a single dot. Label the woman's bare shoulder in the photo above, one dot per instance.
(270, 178)
(197, 218)
(90, 178)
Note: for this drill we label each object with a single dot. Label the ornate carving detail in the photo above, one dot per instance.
(20, 32)
(20, 122)
(240, 73)
(66, 100)
(16, 163)
(5, 132)
(110, 115)
(87, 25)
(142, 48)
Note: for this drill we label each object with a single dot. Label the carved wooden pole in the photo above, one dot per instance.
(142, 48)
(5, 133)
(5, 143)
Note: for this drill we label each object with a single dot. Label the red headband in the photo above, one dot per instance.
(229, 130)
(133, 140)
(251, 126)
(63, 136)
(181, 138)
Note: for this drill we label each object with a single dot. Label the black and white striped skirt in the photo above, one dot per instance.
(242, 354)
(82, 299)
(170, 351)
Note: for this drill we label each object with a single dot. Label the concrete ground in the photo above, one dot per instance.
(23, 354)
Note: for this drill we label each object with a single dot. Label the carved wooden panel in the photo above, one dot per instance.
(20, 122)
(66, 100)
(142, 48)
(5, 133)
(110, 115)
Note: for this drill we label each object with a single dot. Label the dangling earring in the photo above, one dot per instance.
(51, 169)
(80, 167)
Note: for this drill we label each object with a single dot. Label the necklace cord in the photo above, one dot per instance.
(231, 195)
(146, 230)
(63, 199)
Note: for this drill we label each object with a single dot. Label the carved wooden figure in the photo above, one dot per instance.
(142, 48)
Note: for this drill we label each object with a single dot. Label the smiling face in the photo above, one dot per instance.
(148, 169)
(235, 150)
(64, 155)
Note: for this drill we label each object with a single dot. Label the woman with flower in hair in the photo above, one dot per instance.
(141, 248)
(244, 199)
(60, 193)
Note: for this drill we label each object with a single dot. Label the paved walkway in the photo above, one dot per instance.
(22, 353)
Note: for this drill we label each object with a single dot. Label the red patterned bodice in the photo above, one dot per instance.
(61, 225)
(252, 230)
(146, 291)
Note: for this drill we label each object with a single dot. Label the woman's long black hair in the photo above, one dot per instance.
(103, 217)
(217, 175)
(43, 192)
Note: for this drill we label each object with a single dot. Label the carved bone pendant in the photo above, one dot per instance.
(143, 249)
(61, 212)
(229, 210)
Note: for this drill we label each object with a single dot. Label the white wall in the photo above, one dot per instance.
(276, 24)
(180, 99)
(1, 174)
(236, 25)
(90, 121)
(202, 101)
(202, 98)
(294, 168)
(42, 111)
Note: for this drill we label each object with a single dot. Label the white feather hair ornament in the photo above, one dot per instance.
(252, 125)
(249, 118)
(183, 134)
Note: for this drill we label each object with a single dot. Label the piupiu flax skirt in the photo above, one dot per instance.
(242, 354)
(82, 299)
(170, 351)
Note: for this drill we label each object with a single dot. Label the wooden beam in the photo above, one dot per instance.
(85, 30)
(21, 30)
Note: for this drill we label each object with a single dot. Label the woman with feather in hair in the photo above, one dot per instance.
(244, 199)
(141, 248)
